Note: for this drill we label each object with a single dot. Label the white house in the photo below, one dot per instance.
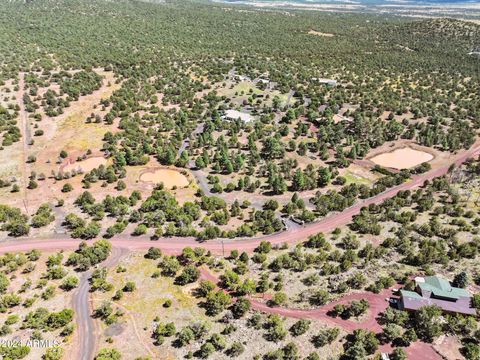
(242, 78)
(330, 82)
(233, 115)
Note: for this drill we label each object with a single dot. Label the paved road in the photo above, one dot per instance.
(85, 324)
(306, 101)
(186, 142)
(199, 175)
(87, 333)
(202, 180)
(60, 214)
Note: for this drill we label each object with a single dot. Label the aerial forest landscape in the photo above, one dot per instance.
(266, 180)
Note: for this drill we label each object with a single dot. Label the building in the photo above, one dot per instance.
(241, 78)
(233, 115)
(433, 290)
(329, 82)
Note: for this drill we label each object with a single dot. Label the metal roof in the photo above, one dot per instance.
(439, 292)
(235, 114)
(442, 288)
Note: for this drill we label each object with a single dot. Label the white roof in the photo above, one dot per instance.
(234, 114)
(419, 279)
(324, 81)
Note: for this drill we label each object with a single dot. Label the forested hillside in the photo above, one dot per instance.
(282, 171)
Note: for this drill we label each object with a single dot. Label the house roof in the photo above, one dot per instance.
(437, 291)
(235, 114)
(442, 288)
(412, 301)
(410, 294)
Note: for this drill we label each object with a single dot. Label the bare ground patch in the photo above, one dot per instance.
(318, 33)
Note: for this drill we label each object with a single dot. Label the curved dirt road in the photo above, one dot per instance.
(377, 305)
(87, 334)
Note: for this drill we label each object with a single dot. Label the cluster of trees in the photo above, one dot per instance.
(14, 352)
(79, 84)
(360, 344)
(80, 228)
(43, 216)
(289, 351)
(87, 256)
(13, 221)
(107, 313)
(42, 319)
(53, 103)
(108, 354)
(325, 337)
(355, 308)
(202, 218)
(426, 324)
(9, 130)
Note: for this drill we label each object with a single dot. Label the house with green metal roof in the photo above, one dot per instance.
(433, 290)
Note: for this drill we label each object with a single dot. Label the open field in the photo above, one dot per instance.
(85, 165)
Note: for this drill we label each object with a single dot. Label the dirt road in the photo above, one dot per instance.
(175, 245)
(377, 305)
(26, 136)
(87, 333)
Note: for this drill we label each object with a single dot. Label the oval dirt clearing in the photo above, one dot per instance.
(86, 165)
(168, 177)
(403, 158)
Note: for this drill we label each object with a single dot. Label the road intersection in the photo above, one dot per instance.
(122, 244)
